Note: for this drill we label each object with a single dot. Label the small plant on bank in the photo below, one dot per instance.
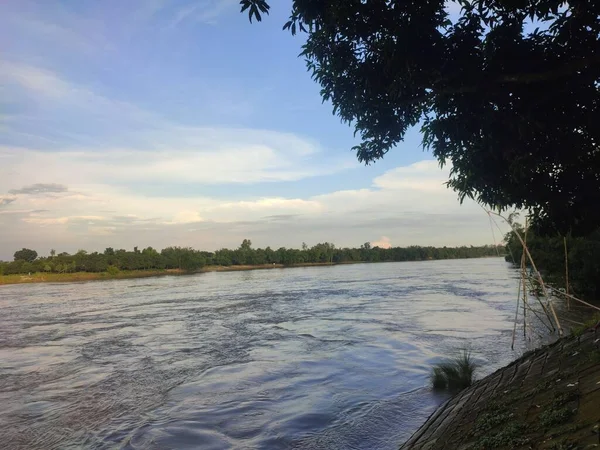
(587, 326)
(455, 374)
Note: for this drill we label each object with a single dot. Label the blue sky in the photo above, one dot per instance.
(176, 122)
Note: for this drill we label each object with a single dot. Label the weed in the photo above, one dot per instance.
(564, 444)
(509, 436)
(491, 420)
(564, 398)
(555, 416)
(582, 329)
(454, 374)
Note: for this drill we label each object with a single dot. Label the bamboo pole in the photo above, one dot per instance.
(524, 284)
(567, 273)
(539, 276)
(572, 297)
(531, 310)
(551, 328)
(512, 345)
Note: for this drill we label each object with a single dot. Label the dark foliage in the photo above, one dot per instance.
(508, 93)
(191, 260)
(25, 254)
(549, 255)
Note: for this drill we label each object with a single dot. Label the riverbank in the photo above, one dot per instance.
(547, 399)
(99, 276)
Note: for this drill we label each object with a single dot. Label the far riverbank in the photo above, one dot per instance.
(41, 277)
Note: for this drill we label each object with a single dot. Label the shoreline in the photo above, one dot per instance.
(75, 277)
(40, 277)
(547, 398)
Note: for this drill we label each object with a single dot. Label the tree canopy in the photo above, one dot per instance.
(25, 254)
(505, 91)
(190, 260)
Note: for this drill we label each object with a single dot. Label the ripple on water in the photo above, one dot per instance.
(315, 358)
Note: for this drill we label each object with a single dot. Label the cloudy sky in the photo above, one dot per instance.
(176, 122)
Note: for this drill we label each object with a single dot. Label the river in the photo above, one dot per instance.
(309, 358)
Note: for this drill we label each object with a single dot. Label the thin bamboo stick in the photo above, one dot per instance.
(567, 273)
(572, 297)
(523, 268)
(539, 276)
(494, 236)
(512, 345)
(530, 309)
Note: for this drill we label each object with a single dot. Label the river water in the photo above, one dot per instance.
(310, 358)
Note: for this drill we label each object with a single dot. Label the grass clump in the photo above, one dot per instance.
(509, 436)
(589, 324)
(490, 420)
(555, 416)
(455, 374)
(561, 399)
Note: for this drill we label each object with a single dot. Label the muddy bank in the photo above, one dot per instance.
(549, 399)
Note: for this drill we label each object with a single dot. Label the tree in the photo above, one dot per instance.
(512, 107)
(52, 253)
(25, 254)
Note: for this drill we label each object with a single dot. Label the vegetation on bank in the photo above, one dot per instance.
(455, 374)
(116, 262)
(563, 260)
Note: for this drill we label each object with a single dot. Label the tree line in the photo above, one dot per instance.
(190, 260)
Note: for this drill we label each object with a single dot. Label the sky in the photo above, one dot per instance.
(177, 122)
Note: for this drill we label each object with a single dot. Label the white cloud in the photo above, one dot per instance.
(383, 242)
(34, 79)
(206, 11)
(88, 194)
(391, 211)
(187, 217)
(420, 176)
(46, 220)
(234, 156)
(148, 147)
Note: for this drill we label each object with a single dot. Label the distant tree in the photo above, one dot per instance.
(52, 253)
(511, 107)
(109, 251)
(246, 244)
(192, 260)
(25, 254)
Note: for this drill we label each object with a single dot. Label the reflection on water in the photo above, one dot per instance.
(325, 357)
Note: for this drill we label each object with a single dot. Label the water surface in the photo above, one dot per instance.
(313, 358)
